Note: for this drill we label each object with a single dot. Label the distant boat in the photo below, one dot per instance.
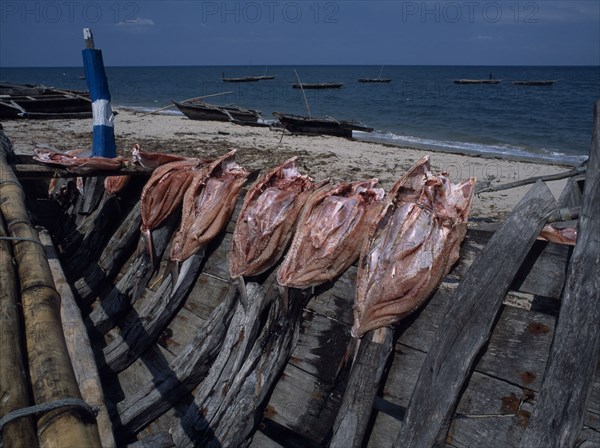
(199, 110)
(477, 81)
(249, 78)
(317, 85)
(545, 82)
(33, 101)
(378, 79)
(296, 124)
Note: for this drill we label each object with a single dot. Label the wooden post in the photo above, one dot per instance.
(557, 417)
(355, 411)
(469, 320)
(13, 380)
(78, 344)
(50, 369)
(104, 132)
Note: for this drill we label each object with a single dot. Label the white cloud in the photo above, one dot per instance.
(138, 22)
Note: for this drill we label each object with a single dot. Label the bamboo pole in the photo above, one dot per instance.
(78, 344)
(50, 370)
(14, 393)
(303, 94)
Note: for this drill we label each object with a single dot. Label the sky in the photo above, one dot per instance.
(280, 32)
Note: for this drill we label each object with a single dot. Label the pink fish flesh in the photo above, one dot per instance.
(330, 232)
(208, 205)
(411, 245)
(264, 226)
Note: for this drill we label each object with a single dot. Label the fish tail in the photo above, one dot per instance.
(241, 287)
(149, 247)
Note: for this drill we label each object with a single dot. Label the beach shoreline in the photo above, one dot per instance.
(322, 157)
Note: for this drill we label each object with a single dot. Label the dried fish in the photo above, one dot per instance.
(559, 235)
(266, 220)
(411, 245)
(75, 164)
(330, 232)
(152, 160)
(208, 204)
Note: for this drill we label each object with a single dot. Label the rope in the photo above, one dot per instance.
(15, 238)
(89, 411)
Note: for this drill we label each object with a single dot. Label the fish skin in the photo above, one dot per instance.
(152, 160)
(329, 234)
(267, 218)
(562, 235)
(411, 246)
(75, 164)
(207, 205)
(114, 184)
(163, 193)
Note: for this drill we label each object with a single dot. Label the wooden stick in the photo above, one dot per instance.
(51, 372)
(485, 187)
(355, 411)
(78, 344)
(469, 320)
(558, 414)
(303, 94)
(14, 388)
(185, 101)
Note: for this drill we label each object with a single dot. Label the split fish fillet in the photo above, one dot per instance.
(265, 224)
(330, 232)
(411, 245)
(207, 205)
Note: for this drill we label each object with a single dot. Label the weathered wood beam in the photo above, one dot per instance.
(558, 415)
(78, 344)
(39, 171)
(355, 411)
(51, 372)
(469, 320)
(146, 324)
(14, 388)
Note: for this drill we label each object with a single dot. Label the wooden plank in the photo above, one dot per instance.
(367, 370)
(78, 344)
(558, 416)
(469, 320)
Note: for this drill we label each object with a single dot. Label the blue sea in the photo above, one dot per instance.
(420, 107)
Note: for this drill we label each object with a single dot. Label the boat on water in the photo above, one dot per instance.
(543, 82)
(199, 110)
(317, 85)
(249, 78)
(33, 101)
(477, 81)
(297, 124)
(378, 79)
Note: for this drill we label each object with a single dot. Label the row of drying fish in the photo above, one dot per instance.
(405, 241)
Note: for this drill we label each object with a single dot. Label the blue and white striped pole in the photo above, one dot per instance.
(104, 131)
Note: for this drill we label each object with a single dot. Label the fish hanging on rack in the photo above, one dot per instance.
(411, 246)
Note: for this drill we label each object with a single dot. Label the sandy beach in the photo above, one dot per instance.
(261, 148)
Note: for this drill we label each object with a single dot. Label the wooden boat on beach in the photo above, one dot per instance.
(199, 110)
(39, 102)
(146, 357)
(317, 85)
(296, 124)
(477, 81)
(544, 82)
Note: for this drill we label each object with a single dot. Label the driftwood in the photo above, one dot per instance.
(486, 187)
(112, 258)
(78, 344)
(559, 413)
(185, 372)
(469, 320)
(50, 368)
(229, 402)
(146, 324)
(364, 382)
(14, 388)
(130, 287)
(27, 168)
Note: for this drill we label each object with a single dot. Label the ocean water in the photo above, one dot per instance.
(421, 107)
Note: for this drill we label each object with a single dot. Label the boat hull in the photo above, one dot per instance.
(209, 112)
